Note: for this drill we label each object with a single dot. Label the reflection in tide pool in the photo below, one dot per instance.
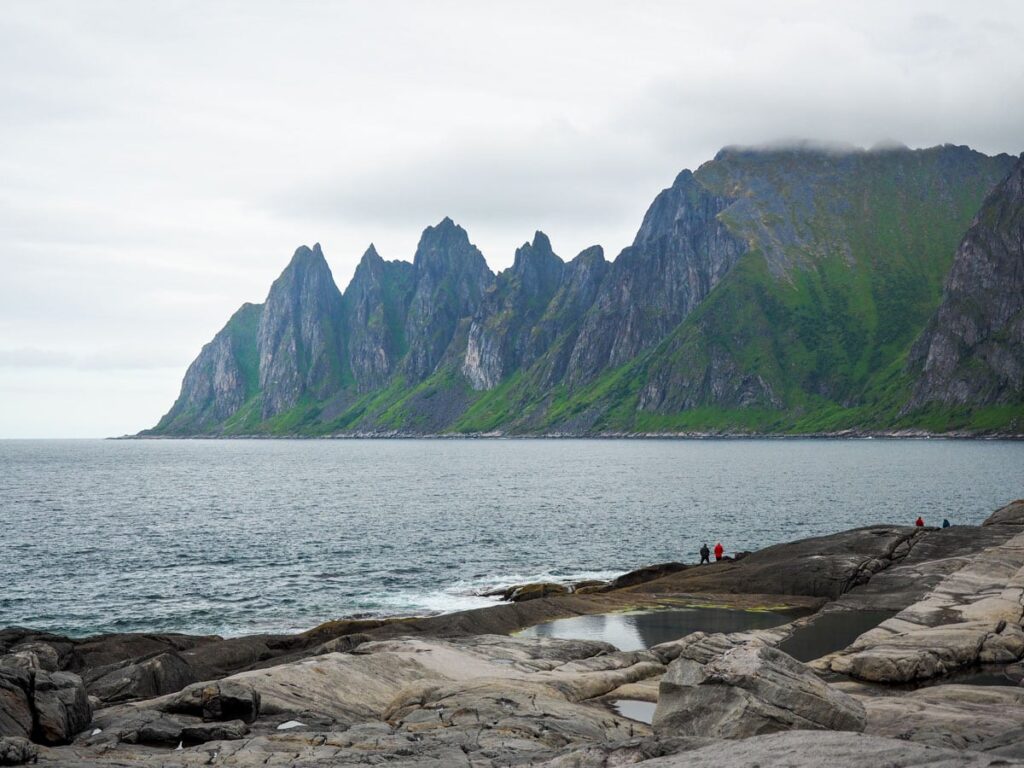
(641, 711)
(636, 631)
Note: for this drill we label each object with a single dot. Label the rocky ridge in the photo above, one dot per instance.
(770, 291)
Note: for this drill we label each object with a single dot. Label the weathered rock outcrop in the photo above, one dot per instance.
(814, 749)
(953, 716)
(300, 337)
(825, 566)
(46, 707)
(750, 690)
(144, 679)
(973, 616)
(972, 352)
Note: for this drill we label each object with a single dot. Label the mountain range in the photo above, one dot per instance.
(773, 290)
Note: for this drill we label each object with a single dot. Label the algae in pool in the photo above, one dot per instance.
(640, 630)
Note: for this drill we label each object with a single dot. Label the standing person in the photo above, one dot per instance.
(705, 554)
(919, 522)
(719, 551)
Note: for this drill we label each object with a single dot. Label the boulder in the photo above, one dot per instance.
(62, 707)
(15, 750)
(752, 689)
(533, 591)
(163, 673)
(217, 701)
(15, 704)
(32, 656)
(130, 725)
(1011, 514)
(648, 573)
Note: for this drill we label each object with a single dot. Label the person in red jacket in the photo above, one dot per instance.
(919, 522)
(719, 551)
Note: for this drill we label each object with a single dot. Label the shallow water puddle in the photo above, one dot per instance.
(831, 632)
(637, 631)
(641, 711)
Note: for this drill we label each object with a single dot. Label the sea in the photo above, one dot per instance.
(234, 537)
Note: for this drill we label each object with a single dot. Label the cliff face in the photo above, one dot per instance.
(450, 277)
(680, 253)
(972, 352)
(300, 337)
(771, 290)
(848, 254)
(221, 379)
(501, 336)
(375, 310)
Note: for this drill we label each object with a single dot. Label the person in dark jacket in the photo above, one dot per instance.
(945, 522)
(719, 551)
(919, 522)
(705, 554)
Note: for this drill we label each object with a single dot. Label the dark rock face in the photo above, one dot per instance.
(300, 336)
(680, 253)
(450, 279)
(61, 705)
(555, 334)
(164, 673)
(375, 318)
(46, 707)
(15, 702)
(221, 379)
(224, 700)
(973, 349)
(501, 336)
(17, 751)
(826, 566)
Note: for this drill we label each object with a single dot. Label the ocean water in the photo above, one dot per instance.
(240, 536)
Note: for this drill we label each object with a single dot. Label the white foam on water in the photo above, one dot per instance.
(467, 594)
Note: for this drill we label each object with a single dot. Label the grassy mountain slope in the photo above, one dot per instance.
(810, 330)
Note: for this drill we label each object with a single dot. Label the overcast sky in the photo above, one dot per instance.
(160, 162)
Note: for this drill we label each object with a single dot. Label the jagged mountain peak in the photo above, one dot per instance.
(536, 261)
(774, 287)
(371, 252)
(305, 258)
(589, 254)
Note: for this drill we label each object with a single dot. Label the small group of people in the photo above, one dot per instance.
(920, 522)
(705, 553)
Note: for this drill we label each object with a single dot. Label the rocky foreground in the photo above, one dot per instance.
(458, 690)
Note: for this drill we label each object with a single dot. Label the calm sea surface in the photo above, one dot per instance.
(233, 537)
